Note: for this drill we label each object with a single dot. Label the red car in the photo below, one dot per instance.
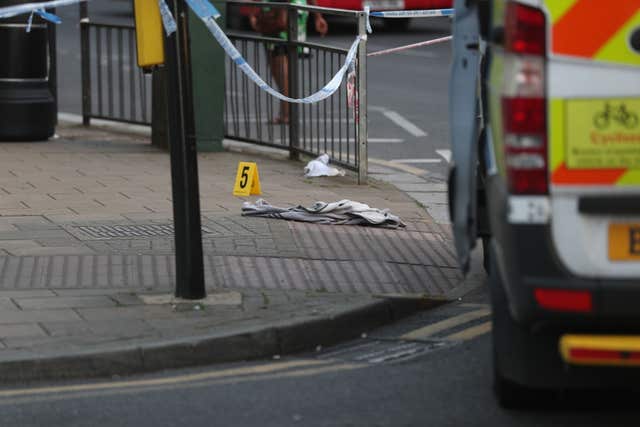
(396, 23)
(386, 4)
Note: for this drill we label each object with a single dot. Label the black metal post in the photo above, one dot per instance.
(85, 59)
(184, 161)
(53, 65)
(292, 63)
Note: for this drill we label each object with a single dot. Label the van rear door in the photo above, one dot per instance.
(464, 122)
(593, 92)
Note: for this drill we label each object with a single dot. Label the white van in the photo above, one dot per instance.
(546, 141)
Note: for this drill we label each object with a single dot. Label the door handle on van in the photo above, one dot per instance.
(608, 205)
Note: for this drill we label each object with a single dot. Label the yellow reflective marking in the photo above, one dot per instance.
(618, 48)
(599, 342)
(556, 133)
(451, 322)
(631, 177)
(232, 372)
(557, 8)
(470, 333)
(603, 133)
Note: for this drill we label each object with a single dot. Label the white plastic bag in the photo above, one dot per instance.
(320, 167)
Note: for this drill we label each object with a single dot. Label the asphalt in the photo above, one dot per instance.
(87, 259)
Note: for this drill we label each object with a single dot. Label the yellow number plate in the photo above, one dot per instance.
(603, 133)
(624, 242)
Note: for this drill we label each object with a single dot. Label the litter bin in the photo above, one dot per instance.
(28, 107)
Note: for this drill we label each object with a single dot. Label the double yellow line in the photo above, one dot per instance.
(443, 325)
(263, 372)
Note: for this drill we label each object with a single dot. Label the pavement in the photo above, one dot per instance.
(87, 273)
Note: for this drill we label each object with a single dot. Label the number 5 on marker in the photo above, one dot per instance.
(247, 180)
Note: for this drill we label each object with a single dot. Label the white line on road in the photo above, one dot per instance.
(385, 140)
(446, 154)
(404, 124)
(369, 140)
(399, 120)
(416, 161)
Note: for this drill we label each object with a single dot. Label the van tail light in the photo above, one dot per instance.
(524, 103)
(525, 30)
(564, 300)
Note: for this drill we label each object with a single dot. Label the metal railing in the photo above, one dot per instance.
(336, 126)
(113, 87)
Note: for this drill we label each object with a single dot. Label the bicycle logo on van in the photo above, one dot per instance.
(619, 114)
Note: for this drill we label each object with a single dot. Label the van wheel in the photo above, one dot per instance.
(511, 395)
(506, 333)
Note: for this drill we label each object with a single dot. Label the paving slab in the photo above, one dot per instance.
(87, 259)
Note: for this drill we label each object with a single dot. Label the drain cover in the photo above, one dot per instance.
(129, 231)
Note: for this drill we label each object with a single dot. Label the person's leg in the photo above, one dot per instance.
(279, 64)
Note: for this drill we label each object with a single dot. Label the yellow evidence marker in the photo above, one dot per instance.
(247, 180)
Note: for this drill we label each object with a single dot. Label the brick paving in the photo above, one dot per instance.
(87, 259)
(93, 209)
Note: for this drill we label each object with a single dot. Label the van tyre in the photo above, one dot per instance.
(509, 394)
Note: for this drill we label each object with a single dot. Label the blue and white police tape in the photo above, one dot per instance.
(202, 8)
(37, 8)
(328, 90)
(208, 14)
(44, 15)
(168, 22)
(428, 13)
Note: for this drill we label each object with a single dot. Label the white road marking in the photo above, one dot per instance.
(265, 118)
(404, 123)
(369, 140)
(416, 161)
(446, 154)
(399, 120)
(398, 166)
(321, 141)
(385, 140)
